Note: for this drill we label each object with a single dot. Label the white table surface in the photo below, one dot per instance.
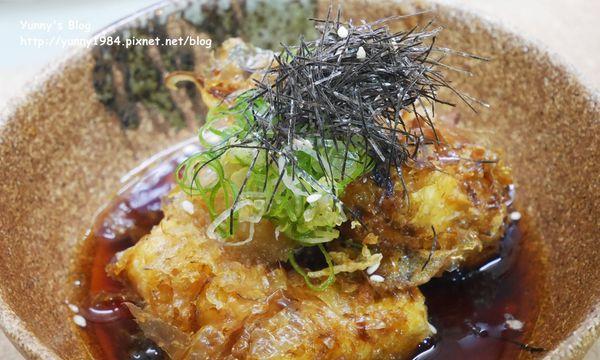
(569, 28)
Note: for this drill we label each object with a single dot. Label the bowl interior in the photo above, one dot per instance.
(65, 148)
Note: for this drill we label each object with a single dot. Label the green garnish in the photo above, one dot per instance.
(327, 282)
(294, 196)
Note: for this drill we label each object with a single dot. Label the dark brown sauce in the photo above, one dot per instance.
(467, 309)
(470, 309)
(124, 221)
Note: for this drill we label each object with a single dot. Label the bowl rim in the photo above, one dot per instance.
(576, 345)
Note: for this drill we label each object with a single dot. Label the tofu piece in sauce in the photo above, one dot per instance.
(203, 302)
(450, 213)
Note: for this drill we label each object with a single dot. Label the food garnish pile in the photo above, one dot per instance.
(328, 190)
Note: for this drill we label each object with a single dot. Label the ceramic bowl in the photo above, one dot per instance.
(65, 146)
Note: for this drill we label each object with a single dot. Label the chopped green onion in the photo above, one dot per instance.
(325, 284)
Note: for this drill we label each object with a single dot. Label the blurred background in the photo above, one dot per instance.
(568, 28)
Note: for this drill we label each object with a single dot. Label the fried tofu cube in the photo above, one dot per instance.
(201, 301)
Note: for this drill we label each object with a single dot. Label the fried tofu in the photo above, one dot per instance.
(448, 211)
(201, 301)
(232, 69)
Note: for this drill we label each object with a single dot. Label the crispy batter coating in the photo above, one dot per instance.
(450, 212)
(232, 69)
(201, 301)
(205, 300)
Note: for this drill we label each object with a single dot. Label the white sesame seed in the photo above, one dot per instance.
(188, 207)
(79, 321)
(432, 329)
(342, 32)
(371, 269)
(313, 197)
(361, 53)
(515, 216)
(302, 144)
(74, 308)
(377, 278)
(514, 324)
(119, 255)
(77, 283)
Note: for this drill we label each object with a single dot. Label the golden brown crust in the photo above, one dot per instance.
(454, 200)
(212, 305)
(232, 69)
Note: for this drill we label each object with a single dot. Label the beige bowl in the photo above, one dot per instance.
(64, 148)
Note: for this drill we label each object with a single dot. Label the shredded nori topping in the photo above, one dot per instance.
(348, 87)
(356, 80)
